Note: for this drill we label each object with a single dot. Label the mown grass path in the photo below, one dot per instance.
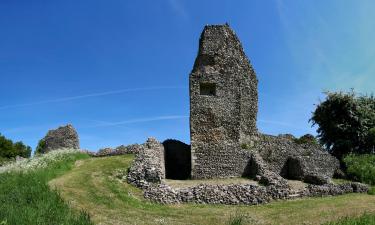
(92, 187)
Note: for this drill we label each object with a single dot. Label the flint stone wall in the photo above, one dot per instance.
(60, 138)
(226, 113)
(243, 193)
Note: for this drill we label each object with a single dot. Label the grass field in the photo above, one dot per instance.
(91, 186)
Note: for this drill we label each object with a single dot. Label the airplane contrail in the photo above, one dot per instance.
(139, 120)
(91, 95)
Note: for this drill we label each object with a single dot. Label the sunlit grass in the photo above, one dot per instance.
(26, 198)
(92, 186)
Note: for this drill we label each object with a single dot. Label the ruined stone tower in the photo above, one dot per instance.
(223, 104)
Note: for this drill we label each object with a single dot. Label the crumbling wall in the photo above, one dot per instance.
(148, 166)
(308, 162)
(120, 150)
(64, 137)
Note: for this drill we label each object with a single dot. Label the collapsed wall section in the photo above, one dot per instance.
(148, 166)
(283, 156)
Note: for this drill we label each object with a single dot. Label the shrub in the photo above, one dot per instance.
(371, 191)
(3, 161)
(361, 167)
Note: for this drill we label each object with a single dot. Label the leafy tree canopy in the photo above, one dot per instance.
(346, 123)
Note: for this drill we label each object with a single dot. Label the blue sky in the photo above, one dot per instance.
(118, 70)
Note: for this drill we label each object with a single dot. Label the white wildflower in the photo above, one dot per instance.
(37, 162)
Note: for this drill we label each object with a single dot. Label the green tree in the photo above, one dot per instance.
(345, 122)
(6, 147)
(40, 148)
(9, 150)
(22, 150)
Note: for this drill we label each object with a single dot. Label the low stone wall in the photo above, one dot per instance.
(243, 193)
(120, 150)
(216, 194)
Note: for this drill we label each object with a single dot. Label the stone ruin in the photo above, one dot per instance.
(225, 141)
(63, 137)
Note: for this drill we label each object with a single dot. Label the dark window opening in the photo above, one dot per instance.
(251, 169)
(207, 89)
(177, 157)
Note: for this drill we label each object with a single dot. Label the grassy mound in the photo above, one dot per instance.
(93, 186)
(26, 198)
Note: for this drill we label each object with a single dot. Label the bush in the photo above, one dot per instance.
(26, 197)
(361, 167)
(346, 123)
(371, 191)
(3, 161)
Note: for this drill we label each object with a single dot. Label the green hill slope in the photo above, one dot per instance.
(92, 186)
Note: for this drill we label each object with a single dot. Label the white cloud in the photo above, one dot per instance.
(90, 95)
(138, 120)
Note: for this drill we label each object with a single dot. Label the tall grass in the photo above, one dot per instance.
(366, 219)
(361, 167)
(237, 219)
(26, 198)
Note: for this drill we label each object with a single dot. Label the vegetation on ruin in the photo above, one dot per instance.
(346, 123)
(306, 139)
(26, 198)
(93, 186)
